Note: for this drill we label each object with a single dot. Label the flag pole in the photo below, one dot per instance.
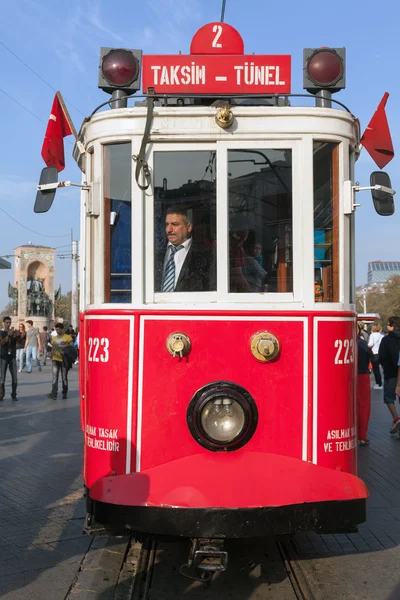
(70, 123)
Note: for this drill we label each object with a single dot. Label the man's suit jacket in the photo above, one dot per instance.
(198, 272)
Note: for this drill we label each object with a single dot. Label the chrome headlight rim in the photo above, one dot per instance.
(220, 390)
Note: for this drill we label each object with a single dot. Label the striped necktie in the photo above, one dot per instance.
(169, 273)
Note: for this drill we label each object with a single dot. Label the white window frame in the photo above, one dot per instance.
(267, 298)
(344, 232)
(152, 297)
(222, 295)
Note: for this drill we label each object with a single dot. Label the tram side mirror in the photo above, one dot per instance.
(383, 198)
(44, 198)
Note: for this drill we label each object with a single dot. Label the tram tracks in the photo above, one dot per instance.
(294, 571)
(144, 572)
(275, 574)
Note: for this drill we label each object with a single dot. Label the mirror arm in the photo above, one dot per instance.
(350, 194)
(53, 186)
(383, 188)
(379, 188)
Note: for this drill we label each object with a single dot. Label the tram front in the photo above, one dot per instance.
(218, 318)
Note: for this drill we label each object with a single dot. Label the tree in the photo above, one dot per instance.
(385, 301)
(392, 296)
(62, 307)
(8, 310)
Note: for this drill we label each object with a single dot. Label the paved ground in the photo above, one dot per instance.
(369, 561)
(41, 541)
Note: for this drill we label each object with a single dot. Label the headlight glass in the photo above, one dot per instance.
(222, 416)
(223, 419)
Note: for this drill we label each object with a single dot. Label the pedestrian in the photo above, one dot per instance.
(32, 346)
(20, 347)
(71, 331)
(8, 341)
(364, 332)
(44, 340)
(59, 342)
(76, 344)
(398, 380)
(388, 357)
(374, 342)
(363, 388)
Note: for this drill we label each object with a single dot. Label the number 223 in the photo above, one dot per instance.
(345, 352)
(98, 349)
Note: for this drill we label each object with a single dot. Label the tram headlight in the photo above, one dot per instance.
(222, 416)
(119, 69)
(223, 419)
(324, 68)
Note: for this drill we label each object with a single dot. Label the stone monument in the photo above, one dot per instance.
(33, 290)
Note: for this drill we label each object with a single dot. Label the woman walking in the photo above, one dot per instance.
(20, 347)
(363, 390)
(374, 342)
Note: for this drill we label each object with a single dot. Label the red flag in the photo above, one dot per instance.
(376, 138)
(58, 127)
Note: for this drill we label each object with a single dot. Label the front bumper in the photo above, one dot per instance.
(223, 495)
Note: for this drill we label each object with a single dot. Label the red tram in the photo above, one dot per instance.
(218, 300)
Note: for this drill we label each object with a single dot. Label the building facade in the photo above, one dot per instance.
(381, 272)
(33, 290)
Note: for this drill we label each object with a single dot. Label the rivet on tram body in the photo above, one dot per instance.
(264, 346)
(178, 344)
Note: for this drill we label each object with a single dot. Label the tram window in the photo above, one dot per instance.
(326, 221)
(118, 222)
(185, 218)
(260, 220)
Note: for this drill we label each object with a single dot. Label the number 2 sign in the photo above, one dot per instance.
(217, 38)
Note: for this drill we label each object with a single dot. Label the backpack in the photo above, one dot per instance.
(70, 355)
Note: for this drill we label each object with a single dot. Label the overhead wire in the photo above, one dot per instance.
(22, 106)
(30, 112)
(44, 123)
(32, 230)
(37, 75)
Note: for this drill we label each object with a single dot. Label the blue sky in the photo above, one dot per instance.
(60, 41)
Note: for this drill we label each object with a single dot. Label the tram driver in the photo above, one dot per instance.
(183, 264)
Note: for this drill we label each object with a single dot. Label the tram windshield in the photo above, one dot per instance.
(185, 221)
(254, 254)
(260, 220)
(259, 212)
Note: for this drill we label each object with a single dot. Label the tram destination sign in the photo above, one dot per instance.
(217, 65)
(217, 74)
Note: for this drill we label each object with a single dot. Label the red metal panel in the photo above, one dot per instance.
(220, 351)
(222, 74)
(336, 436)
(107, 343)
